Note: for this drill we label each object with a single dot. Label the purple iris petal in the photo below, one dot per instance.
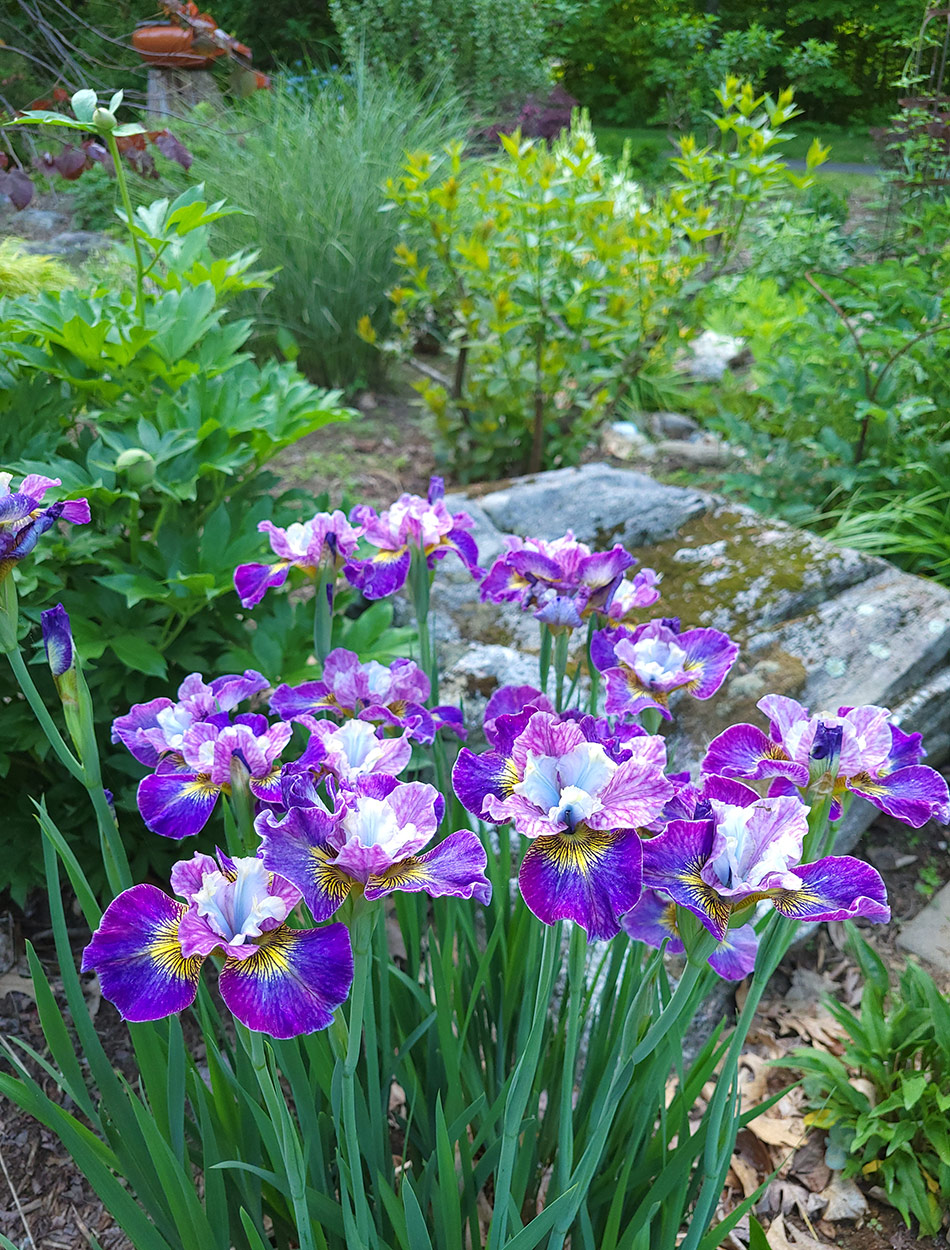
(476, 776)
(510, 700)
(559, 612)
(906, 749)
(233, 689)
(592, 878)
(381, 575)
(455, 867)
(16, 506)
(175, 801)
(674, 860)
(130, 730)
(603, 647)
(464, 546)
(187, 875)
(436, 489)
(252, 581)
(914, 794)
(292, 983)
(836, 888)
(267, 788)
(137, 955)
(297, 847)
(734, 958)
(57, 639)
(745, 751)
(450, 718)
(653, 921)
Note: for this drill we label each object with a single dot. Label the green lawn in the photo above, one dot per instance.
(652, 144)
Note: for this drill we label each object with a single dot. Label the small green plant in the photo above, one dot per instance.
(22, 273)
(558, 289)
(91, 199)
(898, 1044)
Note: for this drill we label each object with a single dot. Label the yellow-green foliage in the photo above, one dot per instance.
(22, 273)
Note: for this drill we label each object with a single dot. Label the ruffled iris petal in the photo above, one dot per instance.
(252, 581)
(268, 787)
(734, 958)
(455, 867)
(474, 777)
(292, 983)
(589, 877)
(914, 794)
(674, 860)
(176, 803)
(835, 888)
(381, 575)
(137, 956)
(297, 848)
(745, 751)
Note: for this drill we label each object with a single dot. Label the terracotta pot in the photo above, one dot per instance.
(163, 43)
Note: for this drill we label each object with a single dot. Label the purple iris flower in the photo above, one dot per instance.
(372, 842)
(858, 750)
(392, 696)
(148, 949)
(562, 581)
(645, 666)
(556, 782)
(749, 851)
(179, 797)
(327, 539)
(633, 595)
(154, 729)
(411, 523)
(352, 750)
(653, 921)
(24, 519)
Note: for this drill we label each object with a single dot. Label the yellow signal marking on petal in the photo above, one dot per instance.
(165, 953)
(668, 919)
(794, 902)
(775, 752)
(510, 777)
(636, 686)
(863, 782)
(270, 956)
(405, 872)
(703, 895)
(327, 877)
(202, 787)
(576, 852)
(384, 555)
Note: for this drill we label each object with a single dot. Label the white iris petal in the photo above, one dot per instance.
(237, 909)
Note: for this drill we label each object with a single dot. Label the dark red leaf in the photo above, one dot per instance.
(60, 94)
(17, 185)
(130, 143)
(71, 162)
(45, 162)
(99, 153)
(169, 146)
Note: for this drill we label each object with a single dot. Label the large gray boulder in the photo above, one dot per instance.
(820, 623)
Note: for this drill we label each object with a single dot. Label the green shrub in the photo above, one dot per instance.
(488, 50)
(898, 1045)
(91, 199)
(851, 382)
(310, 170)
(156, 415)
(559, 291)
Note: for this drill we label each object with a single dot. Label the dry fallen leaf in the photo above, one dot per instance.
(11, 982)
(808, 1165)
(845, 1200)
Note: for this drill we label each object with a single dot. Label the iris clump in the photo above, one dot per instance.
(392, 909)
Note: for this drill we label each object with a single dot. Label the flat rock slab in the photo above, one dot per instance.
(823, 624)
(928, 934)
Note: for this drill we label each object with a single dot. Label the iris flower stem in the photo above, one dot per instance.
(362, 926)
(130, 223)
(421, 583)
(583, 1174)
(544, 658)
(576, 965)
(323, 613)
(522, 1081)
(287, 1135)
(774, 945)
(592, 672)
(561, 644)
(39, 709)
